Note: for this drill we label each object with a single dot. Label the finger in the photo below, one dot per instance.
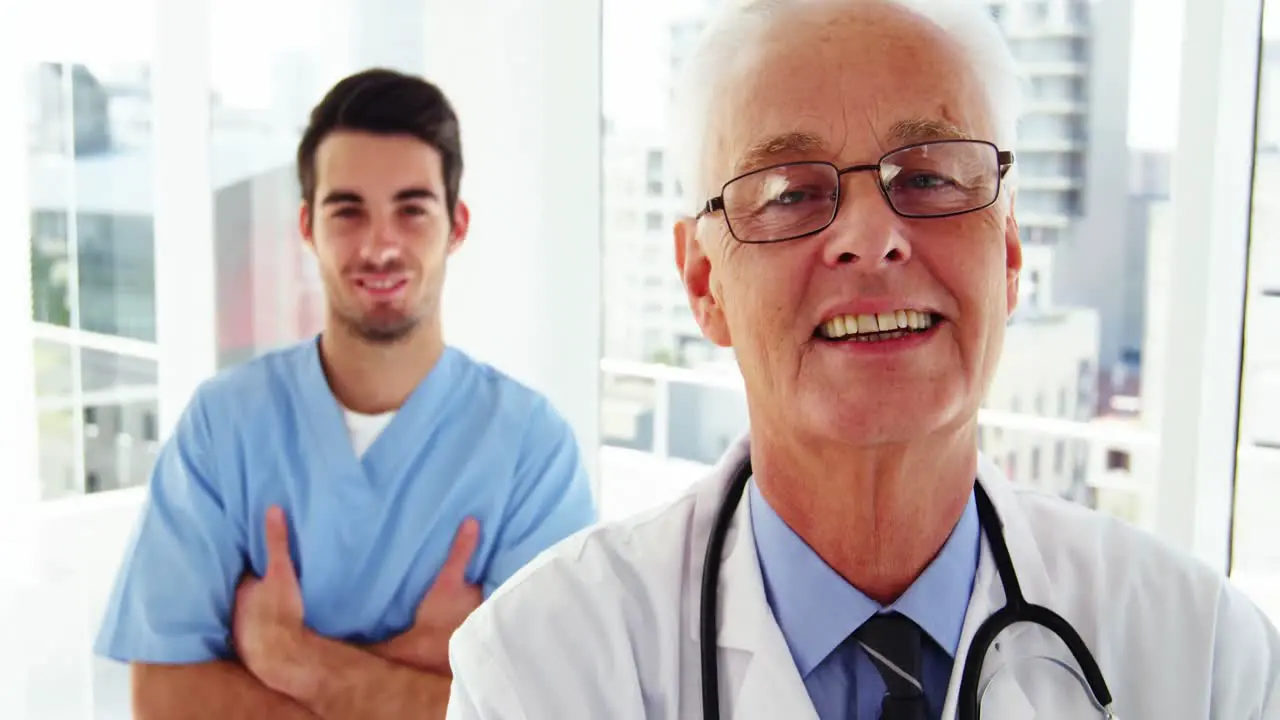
(465, 542)
(279, 562)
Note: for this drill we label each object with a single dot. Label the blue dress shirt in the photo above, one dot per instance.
(817, 610)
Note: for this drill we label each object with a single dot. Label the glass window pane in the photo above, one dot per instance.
(48, 135)
(1256, 540)
(117, 274)
(119, 417)
(50, 268)
(57, 404)
(92, 247)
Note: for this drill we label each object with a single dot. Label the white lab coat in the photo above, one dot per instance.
(605, 625)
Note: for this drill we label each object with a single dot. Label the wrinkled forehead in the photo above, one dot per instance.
(845, 86)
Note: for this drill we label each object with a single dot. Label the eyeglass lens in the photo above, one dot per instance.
(796, 199)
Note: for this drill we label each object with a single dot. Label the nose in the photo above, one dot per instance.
(382, 244)
(866, 231)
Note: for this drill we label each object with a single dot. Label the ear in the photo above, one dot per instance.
(461, 223)
(1013, 258)
(305, 228)
(696, 272)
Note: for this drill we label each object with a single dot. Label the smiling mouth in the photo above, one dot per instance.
(380, 286)
(877, 328)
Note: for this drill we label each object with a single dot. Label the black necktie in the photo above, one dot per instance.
(893, 643)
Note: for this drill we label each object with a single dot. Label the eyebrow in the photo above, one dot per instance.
(916, 130)
(342, 197)
(771, 148)
(903, 132)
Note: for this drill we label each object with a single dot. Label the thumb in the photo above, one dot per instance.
(454, 570)
(278, 559)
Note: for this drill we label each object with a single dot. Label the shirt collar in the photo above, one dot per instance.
(817, 609)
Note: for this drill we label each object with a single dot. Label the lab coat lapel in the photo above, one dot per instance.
(758, 677)
(771, 686)
(1007, 700)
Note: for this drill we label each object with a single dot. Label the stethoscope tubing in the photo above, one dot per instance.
(1015, 610)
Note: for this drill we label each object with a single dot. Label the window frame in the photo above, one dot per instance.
(1198, 331)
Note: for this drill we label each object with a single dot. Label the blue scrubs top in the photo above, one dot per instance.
(368, 534)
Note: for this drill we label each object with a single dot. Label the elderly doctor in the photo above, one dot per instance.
(853, 240)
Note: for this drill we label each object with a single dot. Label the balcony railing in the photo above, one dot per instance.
(1119, 459)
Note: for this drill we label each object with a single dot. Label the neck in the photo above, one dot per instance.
(877, 515)
(372, 378)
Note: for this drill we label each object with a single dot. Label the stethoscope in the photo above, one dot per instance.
(1016, 610)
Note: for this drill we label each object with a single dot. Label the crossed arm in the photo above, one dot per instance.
(340, 682)
(291, 672)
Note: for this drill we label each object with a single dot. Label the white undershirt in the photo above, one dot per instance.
(364, 429)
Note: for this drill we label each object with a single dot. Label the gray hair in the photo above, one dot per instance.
(967, 21)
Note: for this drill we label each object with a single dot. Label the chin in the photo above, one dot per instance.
(383, 328)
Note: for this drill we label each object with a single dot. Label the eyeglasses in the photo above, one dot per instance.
(926, 180)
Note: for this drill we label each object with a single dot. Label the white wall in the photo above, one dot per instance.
(524, 291)
(1200, 339)
(18, 486)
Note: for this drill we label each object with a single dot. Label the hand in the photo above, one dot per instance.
(448, 602)
(267, 626)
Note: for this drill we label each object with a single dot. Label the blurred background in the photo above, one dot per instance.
(150, 208)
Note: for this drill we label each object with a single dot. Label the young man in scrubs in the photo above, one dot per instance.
(326, 515)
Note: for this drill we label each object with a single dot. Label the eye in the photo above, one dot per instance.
(413, 210)
(925, 181)
(347, 212)
(795, 196)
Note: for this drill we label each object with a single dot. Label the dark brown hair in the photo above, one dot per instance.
(385, 102)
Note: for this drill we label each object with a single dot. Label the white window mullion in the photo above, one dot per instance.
(186, 291)
(66, 91)
(1198, 334)
(569, 264)
(538, 117)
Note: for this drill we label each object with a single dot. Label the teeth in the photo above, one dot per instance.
(380, 284)
(886, 322)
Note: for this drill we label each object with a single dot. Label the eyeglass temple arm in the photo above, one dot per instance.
(713, 205)
(1005, 160)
